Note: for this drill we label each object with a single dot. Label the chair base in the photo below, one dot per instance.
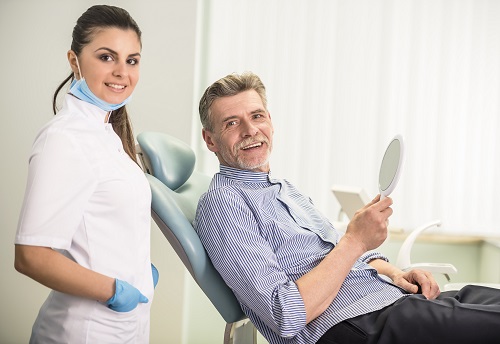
(240, 332)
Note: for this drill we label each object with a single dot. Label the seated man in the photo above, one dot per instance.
(296, 279)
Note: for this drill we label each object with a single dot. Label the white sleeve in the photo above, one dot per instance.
(60, 182)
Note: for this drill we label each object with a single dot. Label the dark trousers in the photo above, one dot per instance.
(471, 315)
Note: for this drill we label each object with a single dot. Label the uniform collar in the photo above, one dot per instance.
(90, 111)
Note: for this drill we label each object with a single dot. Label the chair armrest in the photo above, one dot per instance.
(404, 262)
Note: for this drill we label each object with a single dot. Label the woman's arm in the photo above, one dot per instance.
(54, 270)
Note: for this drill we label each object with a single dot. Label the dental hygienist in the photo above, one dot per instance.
(84, 228)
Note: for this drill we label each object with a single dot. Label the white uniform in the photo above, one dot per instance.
(87, 199)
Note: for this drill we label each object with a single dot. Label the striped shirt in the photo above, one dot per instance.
(262, 235)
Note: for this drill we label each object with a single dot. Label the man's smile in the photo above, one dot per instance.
(253, 145)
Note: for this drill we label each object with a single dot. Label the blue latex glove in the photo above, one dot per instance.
(156, 274)
(126, 297)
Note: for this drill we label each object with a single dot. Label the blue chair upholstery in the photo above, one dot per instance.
(176, 188)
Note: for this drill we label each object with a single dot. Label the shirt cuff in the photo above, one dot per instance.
(369, 256)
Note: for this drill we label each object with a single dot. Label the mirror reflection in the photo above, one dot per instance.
(390, 164)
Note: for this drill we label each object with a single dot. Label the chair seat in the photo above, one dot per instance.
(458, 286)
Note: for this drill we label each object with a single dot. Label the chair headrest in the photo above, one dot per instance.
(171, 160)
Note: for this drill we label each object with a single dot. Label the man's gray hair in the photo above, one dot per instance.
(229, 85)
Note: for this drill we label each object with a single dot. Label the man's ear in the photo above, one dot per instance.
(207, 137)
(270, 120)
(73, 63)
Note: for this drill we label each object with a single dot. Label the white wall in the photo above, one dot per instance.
(35, 36)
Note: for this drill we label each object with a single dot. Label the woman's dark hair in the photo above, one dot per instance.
(94, 19)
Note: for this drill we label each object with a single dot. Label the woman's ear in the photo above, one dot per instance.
(73, 63)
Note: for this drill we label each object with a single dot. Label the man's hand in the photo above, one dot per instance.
(417, 281)
(369, 224)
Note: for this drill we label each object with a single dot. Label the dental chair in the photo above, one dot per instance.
(404, 263)
(176, 188)
(403, 260)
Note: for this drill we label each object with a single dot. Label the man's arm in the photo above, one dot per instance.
(247, 262)
(414, 281)
(366, 231)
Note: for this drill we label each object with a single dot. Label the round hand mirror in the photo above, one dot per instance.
(391, 166)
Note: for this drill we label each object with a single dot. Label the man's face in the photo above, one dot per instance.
(242, 133)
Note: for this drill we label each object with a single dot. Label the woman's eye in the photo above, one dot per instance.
(132, 61)
(106, 58)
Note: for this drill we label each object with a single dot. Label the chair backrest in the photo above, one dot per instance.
(176, 189)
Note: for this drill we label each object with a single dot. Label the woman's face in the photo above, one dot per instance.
(109, 64)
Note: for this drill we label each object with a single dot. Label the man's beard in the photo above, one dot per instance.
(242, 164)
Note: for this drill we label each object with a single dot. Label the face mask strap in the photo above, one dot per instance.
(78, 65)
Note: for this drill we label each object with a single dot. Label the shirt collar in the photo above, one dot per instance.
(90, 111)
(246, 175)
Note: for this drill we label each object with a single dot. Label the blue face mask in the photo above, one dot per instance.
(81, 90)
